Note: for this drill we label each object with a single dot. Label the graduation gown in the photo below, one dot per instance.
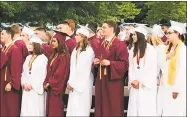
(48, 50)
(71, 44)
(95, 42)
(10, 102)
(57, 76)
(81, 80)
(33, 101)
(142, 101)
(4, 59)
(23, 49)
(161, 82)
(176, 107)
(109, 91)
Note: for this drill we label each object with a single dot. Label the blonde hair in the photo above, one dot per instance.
(157, 40)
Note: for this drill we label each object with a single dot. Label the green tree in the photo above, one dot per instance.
(166, 10)
(56, 12)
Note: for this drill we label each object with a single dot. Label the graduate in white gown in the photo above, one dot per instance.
(33, 75)
(175, 72)
(156, 41)
(80, 82)
(142, 76)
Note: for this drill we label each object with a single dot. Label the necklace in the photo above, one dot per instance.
(31, 61)
(138, 61)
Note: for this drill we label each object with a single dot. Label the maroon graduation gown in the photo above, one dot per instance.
(95, 42)
(57, 76)
(4, 59)
(71, 44)
(109, 91)
(48, 50)
(10, 101)
(22, 47)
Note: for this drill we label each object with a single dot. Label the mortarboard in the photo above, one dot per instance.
(36, 39)
(157, 30)
(28, 31)
(84, 30)
(177, 26)
(60, 35)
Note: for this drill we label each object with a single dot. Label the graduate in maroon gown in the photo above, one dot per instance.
(94, 40)
(45, 37)
(57, 76)
(19, 42)
(112, 63)
(10, 77)
(4, 59)
(68, 27)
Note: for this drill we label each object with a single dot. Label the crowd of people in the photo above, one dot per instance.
(38, 66)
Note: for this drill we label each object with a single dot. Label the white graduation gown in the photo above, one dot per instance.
(33, 101)
(142, 101)
(81, 79)
(161, 57)
(177, 107)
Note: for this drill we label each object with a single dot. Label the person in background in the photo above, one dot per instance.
(33, 76)
(165, 26)
(19, 42)
(68, 27)
(94, 40)
(26, 34)
(41, 33)
(160, 47)
(57, 76)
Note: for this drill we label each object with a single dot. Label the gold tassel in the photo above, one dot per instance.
(105, 72)
(100, 71)
(6, 74)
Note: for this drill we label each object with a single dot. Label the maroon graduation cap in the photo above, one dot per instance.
(60, 35)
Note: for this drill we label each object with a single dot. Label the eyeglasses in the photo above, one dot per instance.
(168, 33)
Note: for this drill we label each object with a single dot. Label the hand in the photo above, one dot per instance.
(96, 61)
(69, 87)
(105, 62)
(169, 55)
(175, 94)
(29, 86)
(26, 87)
(46, 86)
(135, 84)
(8, 87)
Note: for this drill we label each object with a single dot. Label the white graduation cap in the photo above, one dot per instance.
(28, 31)
(86, 27)
(122, 35)
(141, 29)
(157, 30)
(83, 30)
(36, 39)
(177, 26)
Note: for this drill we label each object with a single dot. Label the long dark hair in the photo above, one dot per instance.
(141, 45)
(60, 50)
(85, 43)
(130, 41)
